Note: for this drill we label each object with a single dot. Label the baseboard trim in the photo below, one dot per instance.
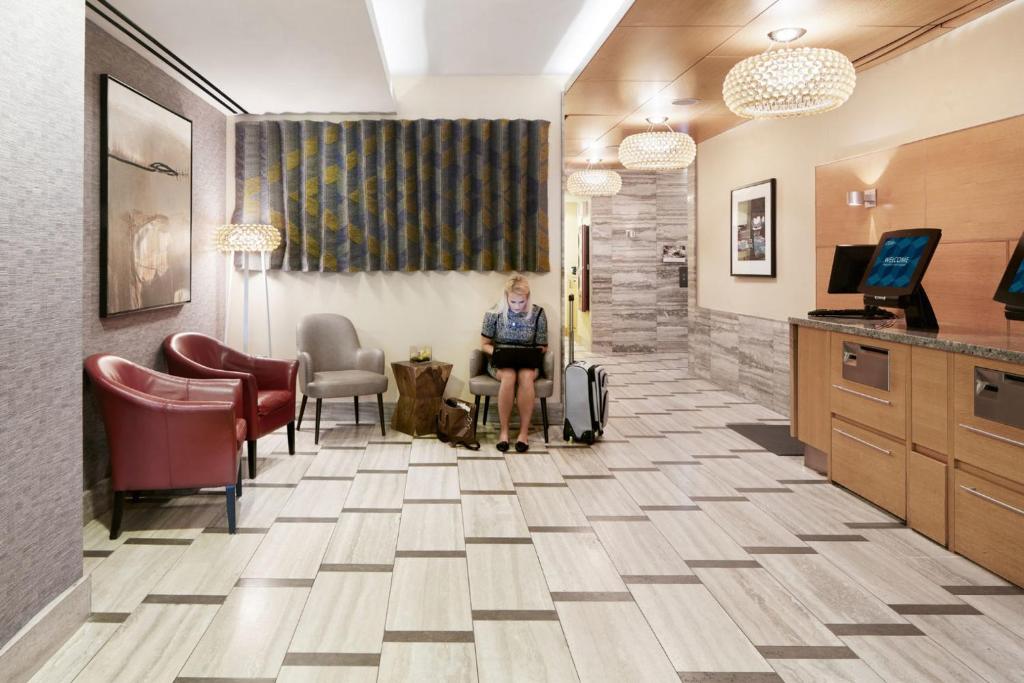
(24, 654)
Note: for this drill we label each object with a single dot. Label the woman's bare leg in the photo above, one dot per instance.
(506, 397)
(525, 399)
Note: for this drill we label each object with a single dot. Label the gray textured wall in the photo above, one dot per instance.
(137, 336)
(40, 328)
(636, 302)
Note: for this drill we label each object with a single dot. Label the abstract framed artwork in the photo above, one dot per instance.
(752, 241)
(145, 203)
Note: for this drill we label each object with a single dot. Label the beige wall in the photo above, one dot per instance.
(393, 310)
(971, 75)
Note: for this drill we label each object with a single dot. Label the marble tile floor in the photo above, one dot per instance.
(672, 550)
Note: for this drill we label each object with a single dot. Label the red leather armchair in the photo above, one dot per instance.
(268, 384)
(165, 432)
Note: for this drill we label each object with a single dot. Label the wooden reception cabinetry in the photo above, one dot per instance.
(893, 417)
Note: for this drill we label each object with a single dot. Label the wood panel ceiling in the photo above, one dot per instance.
(664, 50)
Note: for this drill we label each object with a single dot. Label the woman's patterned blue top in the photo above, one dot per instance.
(517, 329)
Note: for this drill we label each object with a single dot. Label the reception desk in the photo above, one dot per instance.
(927, 426)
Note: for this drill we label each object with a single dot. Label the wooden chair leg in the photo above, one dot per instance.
(380, 409)
(229, 493)
(302, 410)
(487, 406)
(116, 515)
(252, 458)
(476, 413)
(319, 404)
(355, 402)
(291, 438)
(544, 417)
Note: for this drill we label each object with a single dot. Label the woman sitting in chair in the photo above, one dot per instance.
(515, 322)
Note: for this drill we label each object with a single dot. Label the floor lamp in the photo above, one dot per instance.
(248, 238)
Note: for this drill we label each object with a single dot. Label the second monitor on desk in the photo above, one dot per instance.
(849, 264)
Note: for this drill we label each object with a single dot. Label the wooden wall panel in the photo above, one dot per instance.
(898, 174)
(974, 180)
(968, 183)
(961, 281)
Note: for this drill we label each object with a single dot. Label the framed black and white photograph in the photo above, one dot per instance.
(752, 242)
(145, 203)
(674, 252)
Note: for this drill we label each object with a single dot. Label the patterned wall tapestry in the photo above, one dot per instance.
(398, 194)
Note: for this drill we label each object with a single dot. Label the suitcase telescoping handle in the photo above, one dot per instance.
(572, 334)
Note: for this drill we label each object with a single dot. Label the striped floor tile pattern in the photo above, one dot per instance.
(672, 550)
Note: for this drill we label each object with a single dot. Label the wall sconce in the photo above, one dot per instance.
(867, 198)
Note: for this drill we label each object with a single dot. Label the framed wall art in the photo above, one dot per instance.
(752, 241)
(145, 203)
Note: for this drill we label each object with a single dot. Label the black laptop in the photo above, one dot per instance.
(518, 357)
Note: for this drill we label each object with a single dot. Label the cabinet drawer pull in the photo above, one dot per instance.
(982, 432)
(861, 441)
(975, 492)
(867, 396)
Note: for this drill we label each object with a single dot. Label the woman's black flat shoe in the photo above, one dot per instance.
(522, 446)
(503, 446)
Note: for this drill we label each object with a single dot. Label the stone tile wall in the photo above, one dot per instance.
(637, 305)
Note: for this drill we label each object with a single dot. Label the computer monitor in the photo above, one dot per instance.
(893, 279)
(848, 266)
(1011, 287)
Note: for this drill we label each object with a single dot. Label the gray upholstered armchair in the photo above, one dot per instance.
(482, 384)
(333, 365)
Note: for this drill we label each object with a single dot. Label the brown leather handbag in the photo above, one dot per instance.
(456, 424)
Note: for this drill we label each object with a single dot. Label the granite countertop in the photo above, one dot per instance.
(1004, 347)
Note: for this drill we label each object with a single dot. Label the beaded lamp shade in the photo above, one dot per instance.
(789, 81)
(594, 182)
(657, 151)
(247, 237)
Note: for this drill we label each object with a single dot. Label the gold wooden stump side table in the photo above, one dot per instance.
(420, 391)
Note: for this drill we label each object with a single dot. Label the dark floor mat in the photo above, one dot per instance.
(774, 438)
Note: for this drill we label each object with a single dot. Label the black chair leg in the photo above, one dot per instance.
(544, 417)
(476, 413)
(252, 458)
(380, 409)
(238, 482)
(116, 515)
(229, 493)
(487, 407)
(291, 438)
(302, 411)
(355, 400)
(319, 404)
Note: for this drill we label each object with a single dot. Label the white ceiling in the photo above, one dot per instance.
(338, 56)
(493, 37)
(272, 56)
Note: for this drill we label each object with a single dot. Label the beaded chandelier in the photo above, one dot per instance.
(789, 81)
(594, 182)
(657, 150)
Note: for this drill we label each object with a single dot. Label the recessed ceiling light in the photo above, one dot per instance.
(686, 102)
(786, 35)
